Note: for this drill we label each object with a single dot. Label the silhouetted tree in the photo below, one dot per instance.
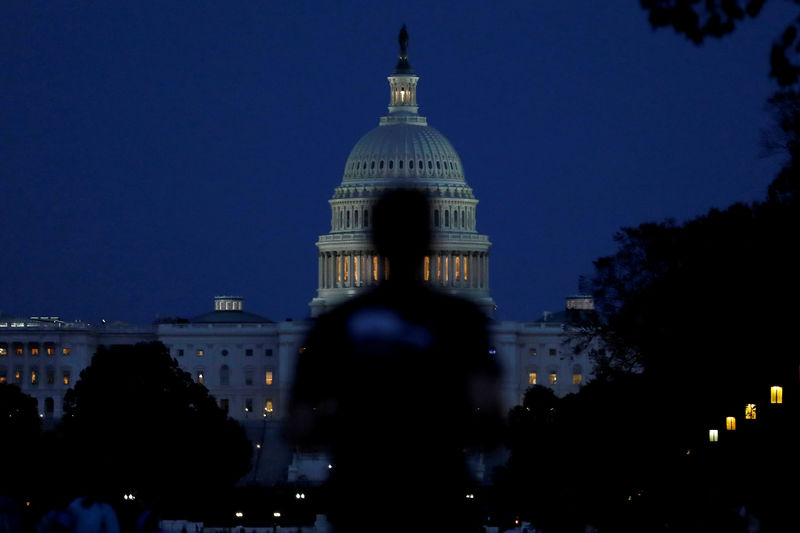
(19, 436)
(136, 422)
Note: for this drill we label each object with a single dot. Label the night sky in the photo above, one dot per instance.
(155, 154)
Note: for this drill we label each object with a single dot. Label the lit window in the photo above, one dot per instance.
(553, 378)
(776, 394)
(268, 407)
(18, 375)
(446, 268)
(248, 405)
(200, 352)
(18, 349)
(338, 268)
(374, 268)
(439, 268)
(34, 350)
(750, 411)
(50, 349)
(713, 435)
(730, 423)
(532, 378)
(248, 352)
(346, 267)
(3, 377)
(65, 351)
(34, 376)
(3, 349)
(200, 377)
(66, 377)
(268, 377)
(355, 268)
(458, 267)
(426, 268)
(465, 269)
(533, 352)
(577, 379)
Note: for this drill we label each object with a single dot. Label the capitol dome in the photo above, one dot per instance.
(403, 150)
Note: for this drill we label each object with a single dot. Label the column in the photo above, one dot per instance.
(320, 262)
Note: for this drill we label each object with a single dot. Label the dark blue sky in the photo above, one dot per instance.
(154, 154)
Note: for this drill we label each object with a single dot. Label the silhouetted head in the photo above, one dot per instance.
(401, 230)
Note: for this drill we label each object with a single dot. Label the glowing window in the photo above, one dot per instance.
(346, 267)
(713, 435)
(776, 394)
(465, 269)
(18, 375)
(533, 352)
(268, 407)
(457, 267)
(374, 268)
(577, 379)
(18, 349)
(531, 378)
(200, 377)
(65, 377)
(426, 268)
(50, 350)
(65, 351)
(730, 423)
(439, 268)
(34, 376)
(553, 378)
(200, 352)
(338, 268)
(446, 268)
(268, 377)
(3, 349)
(3, 377)
(750, 411)
(355, 268)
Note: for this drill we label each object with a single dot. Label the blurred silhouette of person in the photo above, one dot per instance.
(396, 384)
(92, 515)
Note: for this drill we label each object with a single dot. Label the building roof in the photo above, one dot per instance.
(229, 317)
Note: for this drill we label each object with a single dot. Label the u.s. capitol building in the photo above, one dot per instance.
(247, 361)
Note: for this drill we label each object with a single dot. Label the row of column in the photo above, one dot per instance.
(356, 268)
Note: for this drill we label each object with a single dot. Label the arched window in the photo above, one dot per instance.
(455, 219)
(447, 219)
(420, 164)
(436, 218)
(366, 218)
(372, 165)
(355, 219)
(430, 164)
(348, 219)
(391, 164)
(410, 163)
(224, 375)
(381, 164)
(400, 163)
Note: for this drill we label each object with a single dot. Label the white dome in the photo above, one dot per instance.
(403, 151)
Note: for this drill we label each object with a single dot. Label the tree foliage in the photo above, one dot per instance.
(19, 434)
(138, 423)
